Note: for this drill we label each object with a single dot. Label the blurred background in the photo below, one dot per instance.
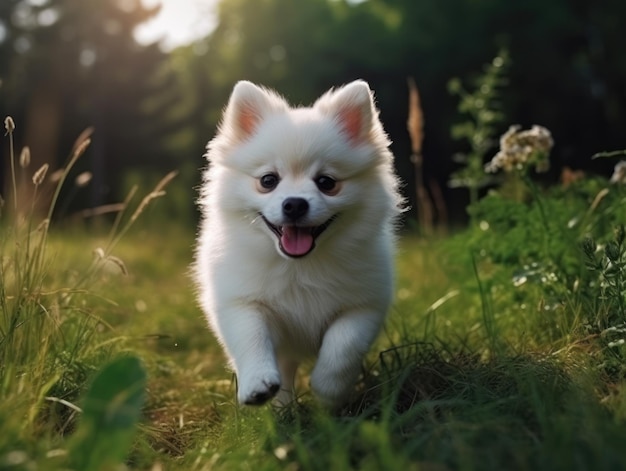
(151, 77)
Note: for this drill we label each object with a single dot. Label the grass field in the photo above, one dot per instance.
(505, 348)
(451, 383)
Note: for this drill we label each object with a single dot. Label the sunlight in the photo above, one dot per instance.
(178, 23)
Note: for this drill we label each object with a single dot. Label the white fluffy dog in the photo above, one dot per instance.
(295, 251)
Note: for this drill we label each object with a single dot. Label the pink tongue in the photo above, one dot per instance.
(296, 240)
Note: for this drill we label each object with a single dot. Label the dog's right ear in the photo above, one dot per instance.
(247, 106)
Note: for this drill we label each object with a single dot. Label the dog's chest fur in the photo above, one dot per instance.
(299, 301)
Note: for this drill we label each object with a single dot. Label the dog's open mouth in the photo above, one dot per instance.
(297, 241)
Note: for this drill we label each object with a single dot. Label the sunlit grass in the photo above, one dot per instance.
(445, 401)
(439, 401)
(492, 357)
(55, 333)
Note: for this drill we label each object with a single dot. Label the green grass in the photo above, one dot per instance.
(505, 349)
(438, 391)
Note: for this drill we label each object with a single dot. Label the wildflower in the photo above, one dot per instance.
(25, 157)
(520, 149)
(83, 179)
(9, 125)
(619, 172)
(40, 174)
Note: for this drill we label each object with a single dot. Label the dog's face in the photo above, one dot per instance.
(298, 207)
(298, 174)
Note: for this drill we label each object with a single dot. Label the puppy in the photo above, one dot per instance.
(295, 250)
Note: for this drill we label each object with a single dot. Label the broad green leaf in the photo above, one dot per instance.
(111, 410)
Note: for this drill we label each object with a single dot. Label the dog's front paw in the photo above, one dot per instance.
(259, 389)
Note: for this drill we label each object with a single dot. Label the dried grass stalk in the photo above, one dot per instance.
(40, 174)
(156, 193)
(82, 137)
(415, 122)
(25, 157)
(415, 126)
(9, 124)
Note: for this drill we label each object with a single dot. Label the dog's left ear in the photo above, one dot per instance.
(353, 108)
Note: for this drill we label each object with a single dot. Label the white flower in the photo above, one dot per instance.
(520, 149)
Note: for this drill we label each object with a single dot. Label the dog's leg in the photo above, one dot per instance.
(288, 368)
(248, 342)
(345, 343)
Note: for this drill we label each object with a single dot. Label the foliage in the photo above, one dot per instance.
(546, 243)
(70, 63)
(483, 108)
(444, 408)
(65, 64)
(112, 407)
(602, 298)
(445, 400)
(48, 328)
(328, 43)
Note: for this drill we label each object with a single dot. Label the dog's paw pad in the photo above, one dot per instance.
(259, 397)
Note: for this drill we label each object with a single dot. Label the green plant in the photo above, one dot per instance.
(111, 410)
(50, 344)
(483, 110)
(603, 298)
(608, 287)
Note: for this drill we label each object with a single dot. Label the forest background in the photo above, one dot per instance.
(70, 64)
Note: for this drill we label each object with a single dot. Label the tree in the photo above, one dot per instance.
(75, 63)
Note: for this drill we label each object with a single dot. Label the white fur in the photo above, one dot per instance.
(268, 310)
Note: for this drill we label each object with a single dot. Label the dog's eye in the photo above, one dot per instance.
(268, 182)
(327, 184)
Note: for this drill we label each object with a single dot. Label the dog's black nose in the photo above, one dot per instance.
(294, 208)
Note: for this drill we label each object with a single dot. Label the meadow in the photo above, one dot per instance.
(504, 349)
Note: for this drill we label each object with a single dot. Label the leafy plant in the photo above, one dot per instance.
(111, 410)
(603, 298)
(48, 330)
(482, 107)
